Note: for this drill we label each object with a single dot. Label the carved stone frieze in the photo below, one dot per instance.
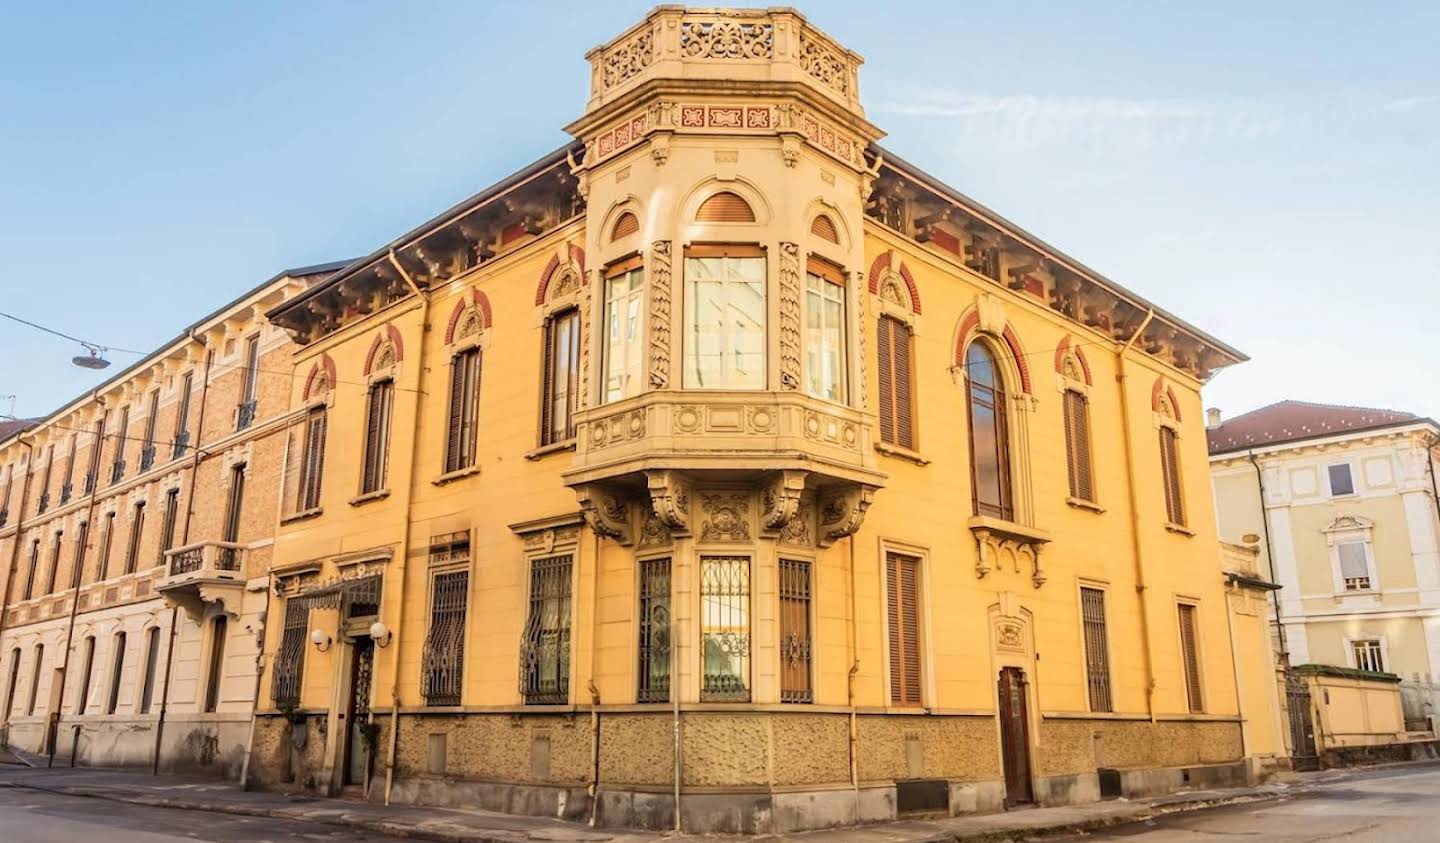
(722, 39)
(824, 64)
(790, 316)
(653, 532)
(660, 295)
(780, 499)
(583, 398)
(626, 426)
(670, 498)
(606, 513)
(627, 58)
(842, 511)
(726, 517)
(862, 375)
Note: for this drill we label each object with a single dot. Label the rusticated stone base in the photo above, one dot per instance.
(748, 771)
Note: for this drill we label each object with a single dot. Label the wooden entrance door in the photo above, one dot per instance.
(1015, 737)
(357, 713)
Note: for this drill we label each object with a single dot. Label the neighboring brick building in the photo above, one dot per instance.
(153, 499)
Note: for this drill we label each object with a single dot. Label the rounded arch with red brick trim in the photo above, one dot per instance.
(577, 257)
(1067, 349)
(965, 334)
(476, 301)
(321, 378)
(388, 334)
(1163, 400)
(881, 265)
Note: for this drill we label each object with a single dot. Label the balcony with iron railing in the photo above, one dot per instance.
(44, 502)
(65, 493)
(204, 572)
(147, 457)
(117, 471)
(89, 482)
(182, 442)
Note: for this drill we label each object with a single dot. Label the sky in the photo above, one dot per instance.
(1269, 172)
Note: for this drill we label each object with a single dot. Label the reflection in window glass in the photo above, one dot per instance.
(725, 323)
(989, 463)
(824, 338)
(624, 301)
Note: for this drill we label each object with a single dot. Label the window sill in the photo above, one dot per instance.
(1081, 503)
(302, 515)
(902, 453)
(457, 474)
(1180, 529)
(378, 494)
(547, 450)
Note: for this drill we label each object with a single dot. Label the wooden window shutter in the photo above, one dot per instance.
(824, 228)
(884, 330)
(314, 460)
(458, 365)
(904, 381)
(627, 225)
(1170, 469)
(904, 629)
(547, 384)
(371, 480)
(1190, 654)
(725, 207)
(1077, 445)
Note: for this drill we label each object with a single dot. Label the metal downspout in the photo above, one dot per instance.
(1140, 587)
(594, 787)
(405, 529)
(1270, 559)
(850, 680)
(78, 576)
(14, 558)
(184, 539)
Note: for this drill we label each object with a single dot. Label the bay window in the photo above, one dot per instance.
(624, 342)
(825, 332)
(724, 345)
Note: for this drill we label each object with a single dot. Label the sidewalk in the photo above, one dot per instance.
(467, 826)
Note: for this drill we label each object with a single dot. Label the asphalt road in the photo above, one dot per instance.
(1395, 804)
(33, 816)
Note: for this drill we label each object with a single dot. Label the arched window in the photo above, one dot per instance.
(117, 667)
(625, 226)
(35, 679)
(989, 444)
(824, 228)
(725, 207)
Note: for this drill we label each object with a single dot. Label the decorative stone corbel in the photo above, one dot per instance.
(606, 514)
(660, 148)
(670, 498)
(780, 500)
(1001, 546)
(842, 511)
(790, 149)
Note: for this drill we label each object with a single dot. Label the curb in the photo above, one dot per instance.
(1098, 823)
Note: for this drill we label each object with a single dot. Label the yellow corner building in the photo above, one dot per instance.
(721, 469)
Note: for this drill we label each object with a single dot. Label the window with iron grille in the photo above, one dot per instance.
(234, 503)
(725, 628)
(44, 503)
(1170, 475)
(464, 410)
(902, 588)
(147, 448)
(117, 468)
(66, 486)
(290, 655)
(245, 412)
(796, 646)
(377, 436)
(545, 650)
(167, 524)
(117, 667)
(442, 663)
(1190, 657)
(560, 370)
(1077, 445)
(1368, 655)
(107, 539)
(152, 665)
(1097, 649)
(655, 632)
(897, 406)
(182, 417)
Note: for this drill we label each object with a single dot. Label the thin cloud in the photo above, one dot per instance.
(1408, 103)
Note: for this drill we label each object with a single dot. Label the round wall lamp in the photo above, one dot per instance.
(321, 639)
(380, 634)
